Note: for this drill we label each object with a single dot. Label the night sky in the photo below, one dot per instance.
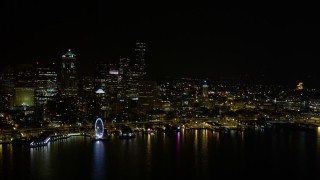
(277, 42)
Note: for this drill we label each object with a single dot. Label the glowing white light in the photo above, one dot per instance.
(47, 140)
(114, 72)
(100, 91)
(99, 128)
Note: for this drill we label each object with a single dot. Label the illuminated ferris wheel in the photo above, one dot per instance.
(99, 128)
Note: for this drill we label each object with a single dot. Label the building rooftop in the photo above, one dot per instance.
(69, 54)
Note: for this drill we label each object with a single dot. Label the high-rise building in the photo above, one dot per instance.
(140, 61)
(69, 75)
(113, 80)
(100, 76)
(125, 75)
(148, 96)
(205, 89)
(7, 83)
(113, 87)
(87, 94)
(87, 86)
(135, 71)
(24, 75)
(7, 80)
(46, 83)
(124, 66)
(129, 77)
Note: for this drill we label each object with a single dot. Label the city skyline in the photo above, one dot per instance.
(195, 40)
(159, 90)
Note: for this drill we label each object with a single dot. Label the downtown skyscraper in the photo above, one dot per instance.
(69, 75)
(140, 61)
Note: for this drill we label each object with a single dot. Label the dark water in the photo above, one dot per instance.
(192, 154)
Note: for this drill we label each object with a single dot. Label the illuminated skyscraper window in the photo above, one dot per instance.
(69, 74)
(46, 84)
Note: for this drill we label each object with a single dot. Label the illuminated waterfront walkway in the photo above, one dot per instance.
(6, 136)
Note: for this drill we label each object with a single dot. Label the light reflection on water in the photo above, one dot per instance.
(98, 160)
(318, 144)
(318, 138)
(41, 155)
(190, 154)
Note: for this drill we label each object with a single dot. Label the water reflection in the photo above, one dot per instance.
(190, 154)
(203, 154)
(98, 160)
(148, 155)
(6, 160)
(196, 141)
(318, 138)
(178, 146)
(41, 156)
(318, 144)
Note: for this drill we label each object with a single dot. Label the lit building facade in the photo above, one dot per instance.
(24, 98)
(7, 80)
(69, 75)
(46, 84)
(148, 96)
(24, 88)
(100, 77)
(140, 61)
(205, 89)
(24, 75)
(135, 71)
(7, 84)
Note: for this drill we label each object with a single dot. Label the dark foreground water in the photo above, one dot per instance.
(192, 154)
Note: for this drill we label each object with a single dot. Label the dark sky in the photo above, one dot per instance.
(280, 41)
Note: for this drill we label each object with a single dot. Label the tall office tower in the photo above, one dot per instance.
(69, 75)
(101, 72)
(148, 96)
(113, 80)
(124, 78)
(140, 61)
(24, 75)
(87, 94)
(46, 83)
(7, 80)
(88, 86)
(205, 89)
(136, 71)
(6, 89)
(124, 70)
(114, 87)
(124, 64)
(129, 76)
